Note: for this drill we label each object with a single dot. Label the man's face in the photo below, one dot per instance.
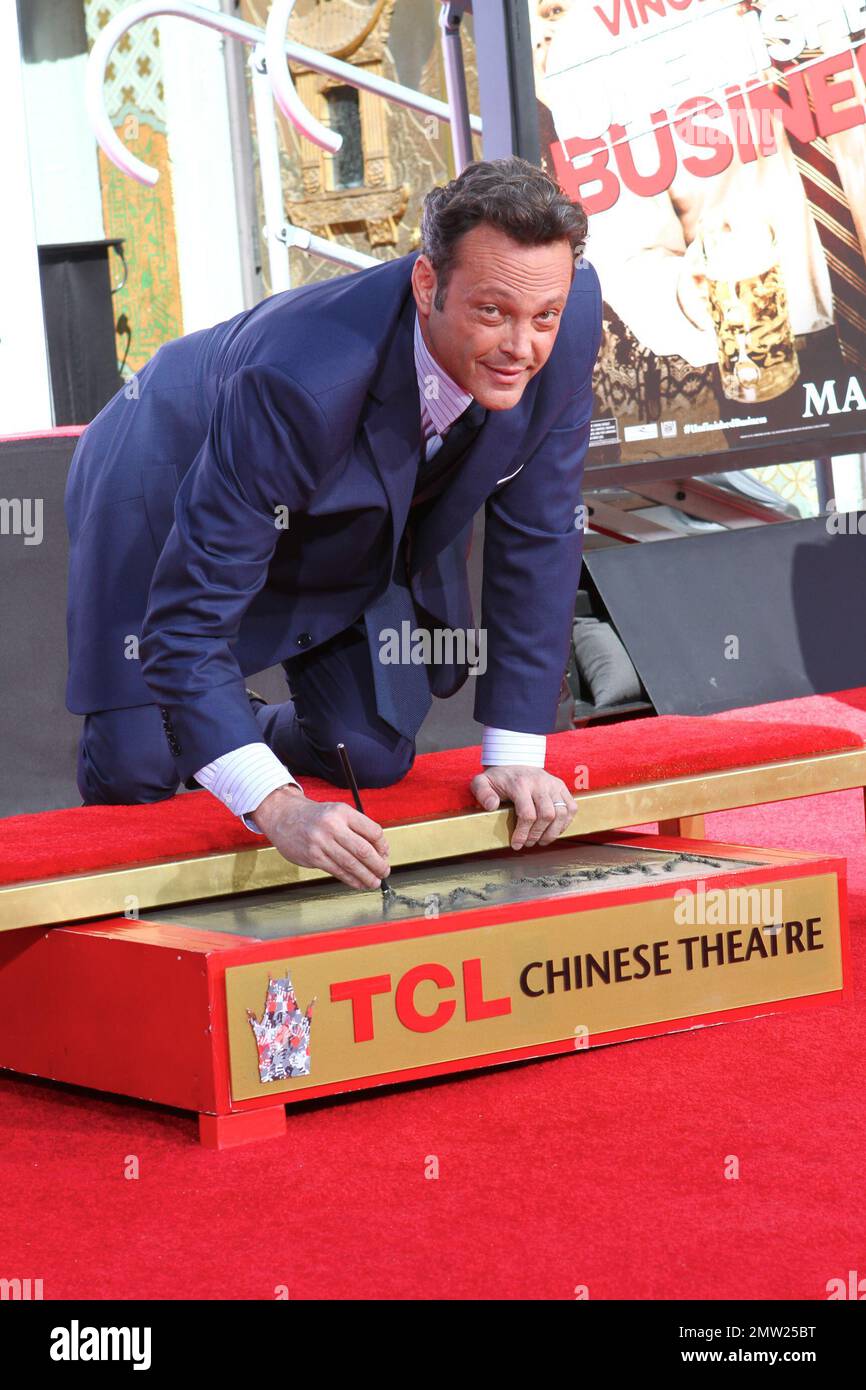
(543, 28)
(502, 310)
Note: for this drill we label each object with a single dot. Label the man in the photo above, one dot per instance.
(272, 490)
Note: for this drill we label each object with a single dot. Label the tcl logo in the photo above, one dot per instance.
(361, 993)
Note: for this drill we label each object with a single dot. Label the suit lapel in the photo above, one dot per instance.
(393, 422)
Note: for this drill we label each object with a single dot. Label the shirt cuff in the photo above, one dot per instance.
(243, 778)
(504, 746)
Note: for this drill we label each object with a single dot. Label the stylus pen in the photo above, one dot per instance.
(385, 885)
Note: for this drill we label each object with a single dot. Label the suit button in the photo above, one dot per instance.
(304, 639)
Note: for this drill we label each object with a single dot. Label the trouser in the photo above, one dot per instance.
(123, 756)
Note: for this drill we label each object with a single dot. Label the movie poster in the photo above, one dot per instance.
(719, 148)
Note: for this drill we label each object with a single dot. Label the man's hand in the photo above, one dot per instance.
(534, 794)
(324, 835)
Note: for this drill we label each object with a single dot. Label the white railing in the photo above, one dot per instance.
(272, 82)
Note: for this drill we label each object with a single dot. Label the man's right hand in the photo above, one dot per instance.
(325, 835)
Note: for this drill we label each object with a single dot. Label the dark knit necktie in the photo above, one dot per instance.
(403, 689)
(434, 473)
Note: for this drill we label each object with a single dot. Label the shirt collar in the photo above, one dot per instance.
(441, 397)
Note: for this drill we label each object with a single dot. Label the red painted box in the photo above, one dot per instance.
(234, 1008)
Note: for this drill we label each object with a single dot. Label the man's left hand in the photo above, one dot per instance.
(534, 794)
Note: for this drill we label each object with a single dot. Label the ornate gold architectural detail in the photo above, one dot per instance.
(350, 31)
(370, 209)
(374, 170)
(401, 149)
(338, 27)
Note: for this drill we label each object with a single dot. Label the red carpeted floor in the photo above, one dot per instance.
(603, 1169)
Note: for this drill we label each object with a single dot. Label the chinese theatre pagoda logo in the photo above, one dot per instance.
(282, 1034)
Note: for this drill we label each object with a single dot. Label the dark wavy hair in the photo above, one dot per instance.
(511, 194)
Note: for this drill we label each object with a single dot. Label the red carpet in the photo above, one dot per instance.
(604, 1168)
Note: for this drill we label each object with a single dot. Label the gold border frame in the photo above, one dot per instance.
(80, 897)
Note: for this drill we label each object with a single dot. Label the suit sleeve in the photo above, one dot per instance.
(533, 546)
(264, 435)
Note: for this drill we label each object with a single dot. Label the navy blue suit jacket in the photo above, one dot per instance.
(306, 408)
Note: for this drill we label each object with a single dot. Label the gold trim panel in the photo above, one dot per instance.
(131, 889)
